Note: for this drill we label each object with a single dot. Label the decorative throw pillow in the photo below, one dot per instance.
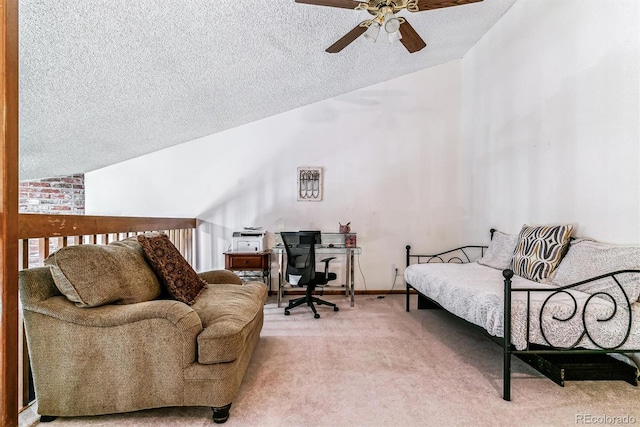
(587, 258)
(500, 251)
(94, 275)
(180, 280)
(539, 250)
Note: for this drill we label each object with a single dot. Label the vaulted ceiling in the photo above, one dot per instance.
(105, 81)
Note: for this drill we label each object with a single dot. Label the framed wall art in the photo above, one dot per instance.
(309, 184)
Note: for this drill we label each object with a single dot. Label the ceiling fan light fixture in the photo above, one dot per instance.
(372, 32)
(394, 37)
(391, 23)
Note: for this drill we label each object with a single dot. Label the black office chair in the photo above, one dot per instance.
(301, 268)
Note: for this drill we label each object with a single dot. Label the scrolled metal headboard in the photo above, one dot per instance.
(461, 255)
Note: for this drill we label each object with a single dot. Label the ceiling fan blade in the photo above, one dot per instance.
(346, 4)
(410, 38)
(438, 4)
(347, 39)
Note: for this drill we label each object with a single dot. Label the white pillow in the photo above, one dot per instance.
(500, 250)
(587, 258)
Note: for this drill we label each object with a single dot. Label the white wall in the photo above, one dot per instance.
(390, 154)
(551, 120)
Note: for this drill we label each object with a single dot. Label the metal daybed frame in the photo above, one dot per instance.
(534, 354)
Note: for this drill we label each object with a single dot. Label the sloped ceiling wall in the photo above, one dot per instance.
(102, 82)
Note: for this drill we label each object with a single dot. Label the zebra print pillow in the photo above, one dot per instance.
(539, 250)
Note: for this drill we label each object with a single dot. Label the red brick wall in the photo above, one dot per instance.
(60, 195)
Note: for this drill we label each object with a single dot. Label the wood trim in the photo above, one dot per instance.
(35, 225)
(25, 253)
(9, 214)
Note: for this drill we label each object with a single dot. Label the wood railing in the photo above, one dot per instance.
(41, 235)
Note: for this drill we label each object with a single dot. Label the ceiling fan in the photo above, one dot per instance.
(384, 16)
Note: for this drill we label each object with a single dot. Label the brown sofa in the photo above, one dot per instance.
(137, 354)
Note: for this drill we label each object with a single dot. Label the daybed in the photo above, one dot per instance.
(130, 326)
(567, 296)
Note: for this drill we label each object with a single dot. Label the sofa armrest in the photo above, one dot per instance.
(220, 276)
(132, 335)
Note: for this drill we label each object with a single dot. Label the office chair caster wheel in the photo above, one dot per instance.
(335, 308)
(287, 312)
(317, 316)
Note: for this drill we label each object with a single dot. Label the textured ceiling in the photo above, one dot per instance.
(104, 81)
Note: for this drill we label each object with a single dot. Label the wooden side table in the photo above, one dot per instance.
(250, 263)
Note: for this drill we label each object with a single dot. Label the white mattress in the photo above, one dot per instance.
(476, 293)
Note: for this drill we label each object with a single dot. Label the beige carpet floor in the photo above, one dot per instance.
(376, 365)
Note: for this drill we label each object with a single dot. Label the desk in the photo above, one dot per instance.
(248, 262)
(349, 255)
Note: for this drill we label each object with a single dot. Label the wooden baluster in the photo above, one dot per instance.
(174, 238)
(23, 352)
(183, 248)
(54, 244)
(180, 238)
(190, 246)
(43, 249)
(183, 236)
(24, 368)
(25, 253)
(21, 377)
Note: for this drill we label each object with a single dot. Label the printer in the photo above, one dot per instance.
(249, 240)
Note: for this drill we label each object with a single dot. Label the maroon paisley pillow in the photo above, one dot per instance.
(176, 275)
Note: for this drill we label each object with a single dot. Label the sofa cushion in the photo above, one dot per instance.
(500, 251)
(131, 243)
(539, 250)
(587, 258)
(179, 279)
(228, 314)
(94, 275)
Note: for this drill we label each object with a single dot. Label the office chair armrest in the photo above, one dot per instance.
(326, 267)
